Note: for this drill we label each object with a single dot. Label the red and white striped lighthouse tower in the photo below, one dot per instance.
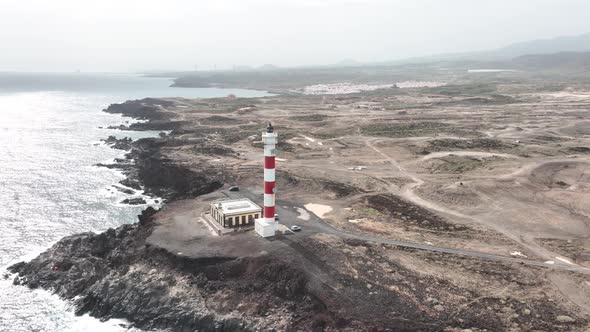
(269, 139)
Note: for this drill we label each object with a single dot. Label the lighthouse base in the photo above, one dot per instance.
(264, 228)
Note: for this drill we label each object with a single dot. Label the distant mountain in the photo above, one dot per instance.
(580, 43)
(565, 62)
(568, 54)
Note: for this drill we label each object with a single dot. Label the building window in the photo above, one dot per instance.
(256, 216)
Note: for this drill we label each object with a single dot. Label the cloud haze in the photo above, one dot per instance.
(133, 35)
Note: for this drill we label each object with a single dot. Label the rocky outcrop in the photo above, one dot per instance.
(105, 274)
(118, 143)
(152, 125)
(153, 110)
(162, 177)
(145, 166)
(289, 284)
(134, 201)
(116, 275)
(145, 109)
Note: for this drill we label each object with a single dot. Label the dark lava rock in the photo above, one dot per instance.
(125, 190)
(151, 125)
(409, 213)
(131, 182)
(119, 144)
(579, 149)
(213, 150)
(153, 110)
(144, 109)
(118, 274)
(134, 201)
(115, 274)
(164, 178)
(110, 166)
(488, 144)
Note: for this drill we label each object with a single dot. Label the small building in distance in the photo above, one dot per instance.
(235, 213)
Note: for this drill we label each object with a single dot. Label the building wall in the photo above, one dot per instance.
(216, 214)
(263, 229)
(244, 219)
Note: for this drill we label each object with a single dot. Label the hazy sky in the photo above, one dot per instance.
(133, 35)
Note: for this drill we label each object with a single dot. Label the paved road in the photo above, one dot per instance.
(289, 215)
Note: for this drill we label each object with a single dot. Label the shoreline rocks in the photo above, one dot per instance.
(289, 284)
(134, 201)
(119, 144)
(117, 274)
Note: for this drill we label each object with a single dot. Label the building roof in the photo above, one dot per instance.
(237, 206)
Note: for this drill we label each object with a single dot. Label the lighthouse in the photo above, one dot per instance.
(267, 225)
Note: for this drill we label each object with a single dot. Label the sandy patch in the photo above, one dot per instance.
(318, 209)
(517, 253)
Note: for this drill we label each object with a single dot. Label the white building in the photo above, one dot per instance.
(235, 212)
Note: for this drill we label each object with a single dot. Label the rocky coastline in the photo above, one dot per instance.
(116, 274)
(161, 273)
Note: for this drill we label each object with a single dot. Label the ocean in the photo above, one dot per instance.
(50, 131)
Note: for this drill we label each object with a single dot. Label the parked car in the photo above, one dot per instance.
(234, 188)
(295, 228)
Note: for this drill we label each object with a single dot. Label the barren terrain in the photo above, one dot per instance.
(439, 208)
(508, 178)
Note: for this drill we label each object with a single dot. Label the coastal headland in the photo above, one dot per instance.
(430, 208)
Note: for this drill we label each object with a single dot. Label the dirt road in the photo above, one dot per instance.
(407, 192)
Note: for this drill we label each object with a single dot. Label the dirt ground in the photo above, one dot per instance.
(509, 177)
